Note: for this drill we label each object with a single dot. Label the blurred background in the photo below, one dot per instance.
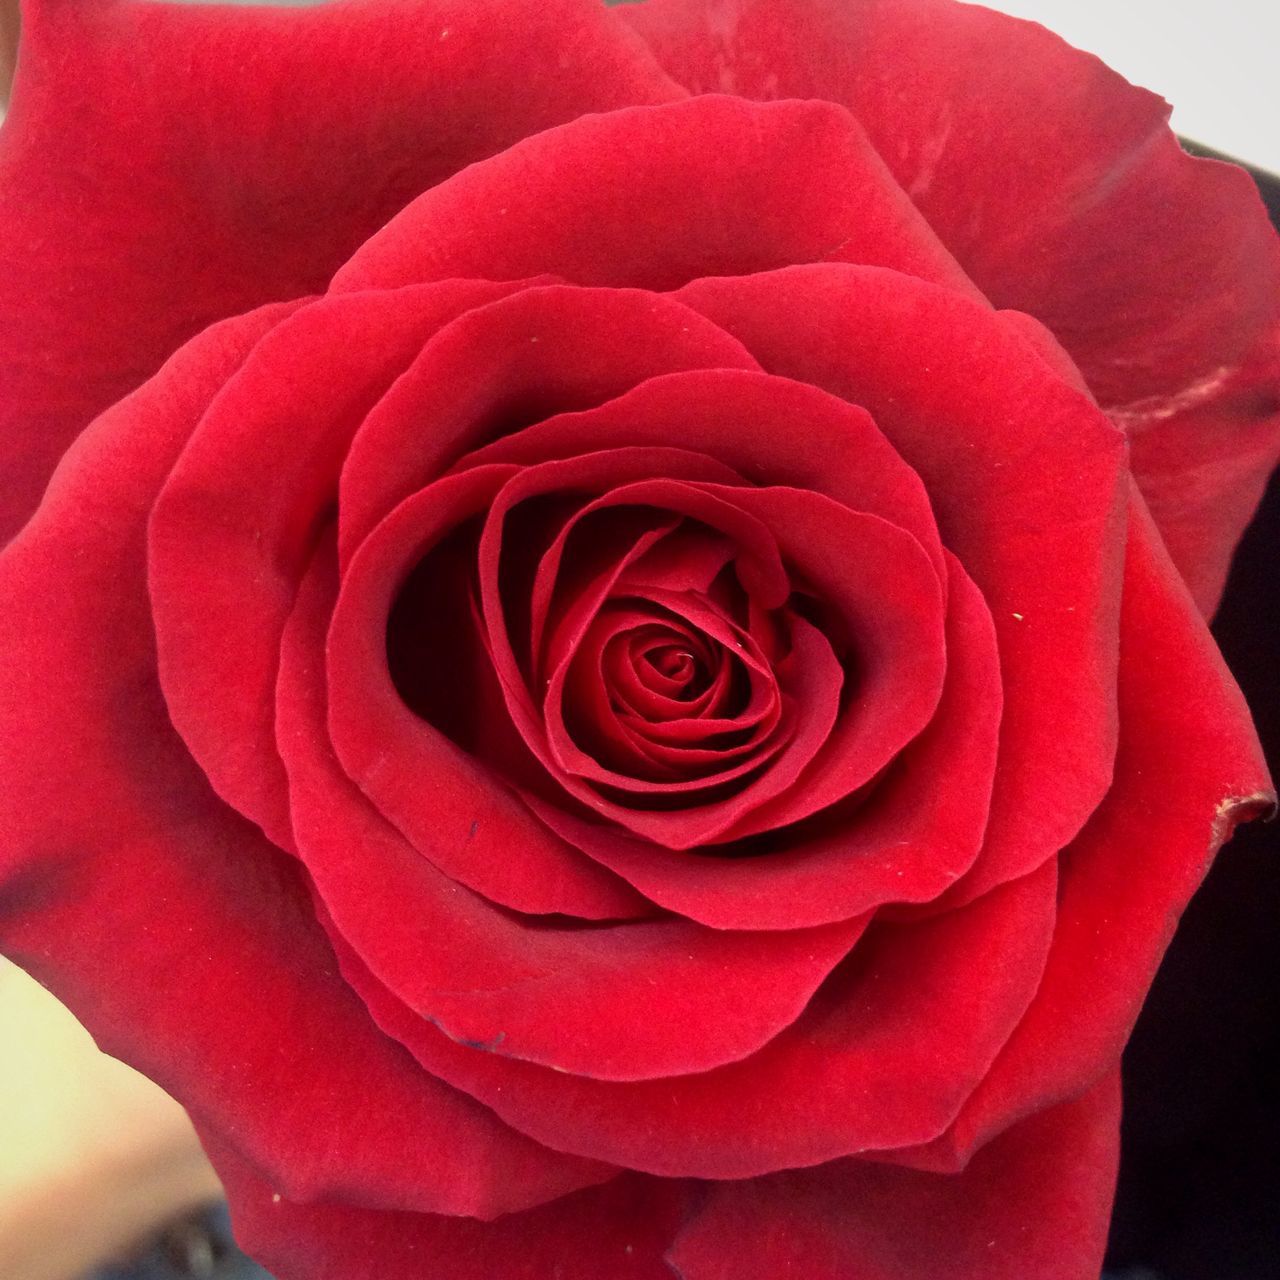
(1216, 62)
(101, 1176)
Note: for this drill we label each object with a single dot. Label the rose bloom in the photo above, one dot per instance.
(609, 681)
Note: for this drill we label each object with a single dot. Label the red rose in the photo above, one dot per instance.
(649, 727)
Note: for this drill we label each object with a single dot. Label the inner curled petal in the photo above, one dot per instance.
(606, 725)
(678, 777)
(673, 648)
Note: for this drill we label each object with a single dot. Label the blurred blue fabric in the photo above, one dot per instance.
(197, 1248)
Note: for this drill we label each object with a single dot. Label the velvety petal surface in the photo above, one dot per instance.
(470, 823)
(163, 919)
(914, 836)
(165, 165)
(655, 197)
(235, 523)
(1033, 1205)
(884, 593)
(512, 989)
(907, 1027)
(1061, 190)
(616, 1232)
(545, 351)
(330, 410)
(771, 430)
(1189, 768)
(1025, 478)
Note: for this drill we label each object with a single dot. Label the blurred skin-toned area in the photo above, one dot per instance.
(8, 45)
(93, 1157)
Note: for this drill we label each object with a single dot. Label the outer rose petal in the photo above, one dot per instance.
(891, 1046)
(1203, 470)
(235, 523)
(1025, 476)
(1189, 769)
(511, 988)
(1062, 192)
(127, 228)
(657, 196)
(1033, 1205)
(615, 1232)
(184, 941)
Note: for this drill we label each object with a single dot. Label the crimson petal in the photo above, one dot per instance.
(770, 430)
(1189, 769)
(885, 597)
(1034, 1205)
(466, 822)
(679, 743)
(919, 831)
(126, 230)
(653, 197)
(162, 900)
(236, 520)
(1025, 475)
(615, 1232)
(1062, 192)
(546, 350)
(508, 987)
(889, 1048)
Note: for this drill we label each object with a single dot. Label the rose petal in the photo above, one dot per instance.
(1188, 770)
(918, 832)
(172, 929)
(468, 823)
(890, 1047)
(874, 581)
(236, 521)
(662, 479)
(689, 747)
(1025, 479)
(648, 697)
(654, 197)
(771, 430)
(1203, 459)
(813, 678)
(622, 474)
(510, 987)
(445, 802)
(1034, 1205)
(1061, 190)
(127, 230)
(615, 1232)
(886, 594)
(690, 561)
(543, 351)
(714, 419)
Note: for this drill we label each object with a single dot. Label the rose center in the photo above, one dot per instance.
(673, 668)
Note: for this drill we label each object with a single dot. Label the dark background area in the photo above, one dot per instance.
(1199, 1194)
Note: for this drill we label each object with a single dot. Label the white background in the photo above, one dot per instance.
(1218, 63)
